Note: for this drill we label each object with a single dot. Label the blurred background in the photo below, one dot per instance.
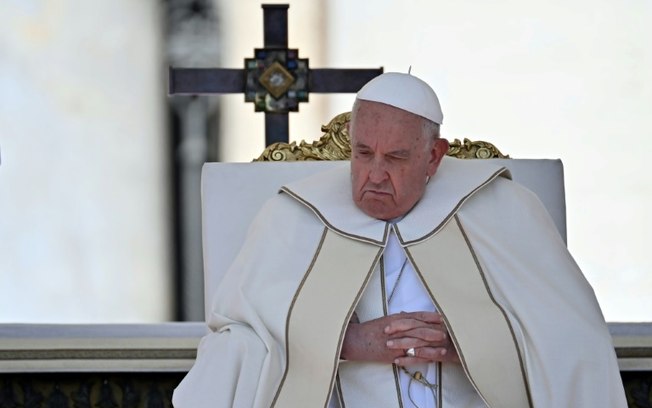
(99, 173)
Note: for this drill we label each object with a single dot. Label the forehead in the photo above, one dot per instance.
(373, 121)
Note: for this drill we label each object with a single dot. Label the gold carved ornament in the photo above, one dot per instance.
(335, 144)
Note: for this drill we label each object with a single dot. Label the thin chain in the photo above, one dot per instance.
(417, 376)
(420, 378)
(391, 294)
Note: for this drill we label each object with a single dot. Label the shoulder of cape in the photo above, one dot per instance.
(328, 195)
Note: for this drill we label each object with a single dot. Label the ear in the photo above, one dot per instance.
(437, 152)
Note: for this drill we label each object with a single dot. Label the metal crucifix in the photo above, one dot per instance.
(276, 80)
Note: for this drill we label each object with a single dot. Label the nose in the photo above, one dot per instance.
(378, 171)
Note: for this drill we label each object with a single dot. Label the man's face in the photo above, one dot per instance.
(391, 159)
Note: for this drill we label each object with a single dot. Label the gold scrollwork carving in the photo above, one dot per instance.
(470, 149)
(335, 144)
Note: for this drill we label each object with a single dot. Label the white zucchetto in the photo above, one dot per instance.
(403, 91)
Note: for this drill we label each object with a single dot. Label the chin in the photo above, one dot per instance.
(377, 211)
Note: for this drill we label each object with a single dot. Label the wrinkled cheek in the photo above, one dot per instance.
(357, 198)
(357, 187)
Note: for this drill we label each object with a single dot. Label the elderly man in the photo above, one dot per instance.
(409, 279)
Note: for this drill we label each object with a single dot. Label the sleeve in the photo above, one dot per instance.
(564, 341)
(227, 371)
(241, 361)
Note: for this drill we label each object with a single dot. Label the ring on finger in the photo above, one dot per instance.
(410, 352)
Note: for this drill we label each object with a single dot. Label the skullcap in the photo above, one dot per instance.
(403, 91)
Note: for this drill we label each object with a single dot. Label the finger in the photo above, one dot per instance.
(419, 338)
(404, 343)
(431, 334)
(427, 317)
(442, 354)
(425, 354)
(405, 324)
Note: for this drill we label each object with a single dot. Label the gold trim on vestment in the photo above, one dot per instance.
(440, 381)
(331, 226)
(383, 286)
(287, 320)
(509, 323)
(452, 212)
(314, 338)
(478, 326)
(338, 391)
(397, 381)
(370, 384)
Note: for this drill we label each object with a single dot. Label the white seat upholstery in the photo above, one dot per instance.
(232, 194)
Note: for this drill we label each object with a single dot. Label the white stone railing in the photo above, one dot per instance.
(131, 365)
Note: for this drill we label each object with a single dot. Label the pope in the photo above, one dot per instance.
(405, 278)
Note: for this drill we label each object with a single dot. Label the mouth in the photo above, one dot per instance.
(376, 193)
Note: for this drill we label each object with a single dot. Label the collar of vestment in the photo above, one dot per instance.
(328, 195)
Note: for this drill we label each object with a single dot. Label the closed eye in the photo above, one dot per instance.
(363, 152)
(398, 156)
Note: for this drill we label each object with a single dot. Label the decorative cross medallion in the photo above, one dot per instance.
(276, 80)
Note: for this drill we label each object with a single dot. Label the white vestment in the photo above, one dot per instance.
(524, 320)
(406, 293)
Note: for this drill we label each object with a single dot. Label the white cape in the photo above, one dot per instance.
(283, 285)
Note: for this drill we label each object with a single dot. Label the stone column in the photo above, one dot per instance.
(84, 217)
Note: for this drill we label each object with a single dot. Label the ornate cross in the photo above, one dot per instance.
(276, 80)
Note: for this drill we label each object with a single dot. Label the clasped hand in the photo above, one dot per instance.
(387, 338)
